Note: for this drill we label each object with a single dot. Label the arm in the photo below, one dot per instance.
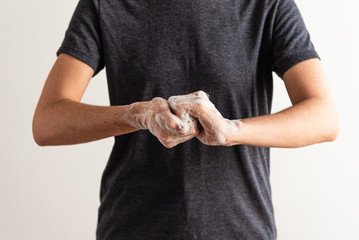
(312, 118)
(60, 118)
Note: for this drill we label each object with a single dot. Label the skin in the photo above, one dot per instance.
(157, 117)
(312, 118)
(61, 119)
(215, 129)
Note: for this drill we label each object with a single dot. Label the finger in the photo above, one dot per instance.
(195, 107)
(181, 121)
(189, 98)
(174, 125)
(168, 123)
(207, 122)
(176, 141)
(184, 96)
(212, 130)
(214, 138)
(209, 117)
(188, 120)
(178, 105)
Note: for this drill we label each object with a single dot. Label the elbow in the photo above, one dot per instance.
(39, 141)
(37, 135)
(39, 132)
(327, 125)
(332, 132)
(332, 127)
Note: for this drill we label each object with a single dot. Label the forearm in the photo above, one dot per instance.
(310, 121)
(69, 122)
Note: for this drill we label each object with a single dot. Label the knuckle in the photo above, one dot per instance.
(168, 144)
(158, 100)
(165, 138)
(182, 129)
(172, 99)
(201, 105)
(201, 94)
(171, 123)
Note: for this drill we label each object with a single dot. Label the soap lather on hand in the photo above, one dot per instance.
(214, 129)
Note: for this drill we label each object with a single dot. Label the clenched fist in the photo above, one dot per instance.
(215, 129)
(156, 116)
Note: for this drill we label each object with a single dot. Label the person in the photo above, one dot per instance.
(190, 86)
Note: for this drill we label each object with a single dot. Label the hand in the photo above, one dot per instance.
(215, 130)
(156, 116)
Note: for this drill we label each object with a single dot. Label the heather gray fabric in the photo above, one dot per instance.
(227, 48)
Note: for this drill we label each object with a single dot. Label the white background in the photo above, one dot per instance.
(53, 192)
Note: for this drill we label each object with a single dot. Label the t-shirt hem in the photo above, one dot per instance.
(291, 61)
(80, 56)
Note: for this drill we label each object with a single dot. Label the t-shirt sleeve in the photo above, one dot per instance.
(82, 38)
(291, 40)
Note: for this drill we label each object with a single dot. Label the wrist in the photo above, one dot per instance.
(235, 128)
(136, 114)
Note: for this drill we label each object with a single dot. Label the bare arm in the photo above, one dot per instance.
(60, 118)
(312, 118)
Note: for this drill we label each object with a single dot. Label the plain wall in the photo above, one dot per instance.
(53, 192)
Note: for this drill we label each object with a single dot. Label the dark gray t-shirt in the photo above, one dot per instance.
(228, 49)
